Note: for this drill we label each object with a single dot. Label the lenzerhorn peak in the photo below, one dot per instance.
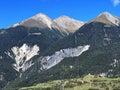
(39, 20)
(68, 24)
(108, 18)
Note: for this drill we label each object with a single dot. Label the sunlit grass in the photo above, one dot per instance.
(88, 82)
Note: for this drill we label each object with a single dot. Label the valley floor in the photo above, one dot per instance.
(89, 82)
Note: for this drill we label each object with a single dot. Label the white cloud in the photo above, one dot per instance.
(116, 2)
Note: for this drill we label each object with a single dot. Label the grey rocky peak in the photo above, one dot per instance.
(108, 18)
(68, 24)
(63, 24)
(39, 20)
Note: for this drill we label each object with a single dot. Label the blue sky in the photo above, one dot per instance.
(13, 11)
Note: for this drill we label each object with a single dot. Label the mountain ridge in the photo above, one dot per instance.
(33, 48)
(43, 21)
(107, 18)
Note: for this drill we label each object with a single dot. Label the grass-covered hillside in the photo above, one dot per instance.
(89, 82)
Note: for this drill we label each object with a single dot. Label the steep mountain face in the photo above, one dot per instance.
(19, 45)
(101, 36)
(104, 39)
(23, 43)
(61, 51)
(48, 62)
(22, 55)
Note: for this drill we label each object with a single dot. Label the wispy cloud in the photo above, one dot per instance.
(116, 2)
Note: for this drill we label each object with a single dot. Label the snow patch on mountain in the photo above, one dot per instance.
(49, 61)
(22, 56)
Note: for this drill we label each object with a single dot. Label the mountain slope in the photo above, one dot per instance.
(96, 45)
(18, 37)
(102, 58)
(92, 82)
(23, 43)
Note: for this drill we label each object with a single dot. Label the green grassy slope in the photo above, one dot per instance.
(88, 82)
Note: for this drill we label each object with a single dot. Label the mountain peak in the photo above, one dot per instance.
(39, 20)
(108, 18)
(67, 18)
(40, 14)
(64, 17)
(68, 24)
(44, 18)
(105, 13)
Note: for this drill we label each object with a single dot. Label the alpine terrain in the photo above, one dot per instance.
(40, 49)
